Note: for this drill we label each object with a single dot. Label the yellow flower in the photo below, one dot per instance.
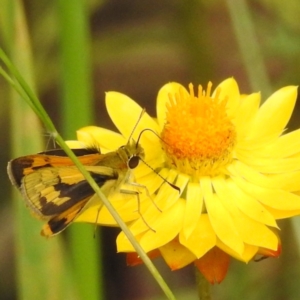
(238, 172)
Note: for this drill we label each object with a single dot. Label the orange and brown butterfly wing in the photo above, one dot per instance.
(60, 222)
(53, 187)
(19, 167)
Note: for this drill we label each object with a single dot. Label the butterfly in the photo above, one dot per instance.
(56, 191)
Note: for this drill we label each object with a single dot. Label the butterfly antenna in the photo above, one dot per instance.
(175, 187)
(148, 129)
(164, 179)
(136, 124)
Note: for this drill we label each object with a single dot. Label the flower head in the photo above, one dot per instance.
(237, 170)
(198, 135)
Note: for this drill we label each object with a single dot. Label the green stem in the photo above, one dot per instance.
(203, 286)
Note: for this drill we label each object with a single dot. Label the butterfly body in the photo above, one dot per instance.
(56, 191)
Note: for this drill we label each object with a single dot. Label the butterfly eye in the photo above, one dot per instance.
(133, 162)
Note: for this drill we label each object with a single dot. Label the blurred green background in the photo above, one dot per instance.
(134, 47)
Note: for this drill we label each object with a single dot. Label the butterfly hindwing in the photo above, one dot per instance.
(61, 221)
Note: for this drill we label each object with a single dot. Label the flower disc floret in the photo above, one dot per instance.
(198, 136)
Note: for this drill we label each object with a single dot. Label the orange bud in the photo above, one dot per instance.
(213, 265)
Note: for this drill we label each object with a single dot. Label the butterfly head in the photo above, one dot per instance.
(132, 153)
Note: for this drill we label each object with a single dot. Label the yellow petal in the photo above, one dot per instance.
(202, 239)
(249, 205)
(240, 169)
(100, 137)
(151, 181)
(254, 233)
(149, 166)
(193, 208)
(125, 205)
(269, 165)
(167, 195)
(246, 256)
(250, 231)
(149, 212)
(125, 113)
(275, 198)
(153, 151)
(151, 207)
(166, 226)
(220, 218)
(230, 91)
(252, 146)
(283, 214)
(76, 145)
(150, 215)
(123, 244)
(246, 112)
(286, 145)
(274, 114)
(281, 148)
(171, 89)
(175, 255)
(286, 181)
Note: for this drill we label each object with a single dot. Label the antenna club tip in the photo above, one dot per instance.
(175, 187)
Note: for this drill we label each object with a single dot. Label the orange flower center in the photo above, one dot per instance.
(198, 136)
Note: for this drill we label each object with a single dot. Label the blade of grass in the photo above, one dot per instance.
(243, 27)
(77, 111)
(36, 259)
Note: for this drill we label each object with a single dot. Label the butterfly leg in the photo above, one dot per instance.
(128, 180)
(137, 194)
(141, 186)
